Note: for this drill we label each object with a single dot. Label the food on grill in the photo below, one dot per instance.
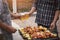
(53, 35)
(38, 35)
(37, 32)
(24, 16)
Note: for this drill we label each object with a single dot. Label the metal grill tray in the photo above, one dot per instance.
(57, 38)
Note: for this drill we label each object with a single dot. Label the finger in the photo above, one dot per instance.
(50, 26)
(53, 27)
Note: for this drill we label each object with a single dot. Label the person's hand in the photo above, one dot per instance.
(16, 15)
(29, 13)
(11, 29)
(52, 26)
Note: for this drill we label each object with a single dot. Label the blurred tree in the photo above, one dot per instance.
(22, 5)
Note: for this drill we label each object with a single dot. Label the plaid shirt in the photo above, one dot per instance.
(46, 11)
(5, 17)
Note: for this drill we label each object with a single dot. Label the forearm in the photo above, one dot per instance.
(56, 16)
(3, 25)
(10, 11)
(12, 14)
(6, 27)
(33, 9)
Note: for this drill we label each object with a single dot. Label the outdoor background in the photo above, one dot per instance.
(22, 5)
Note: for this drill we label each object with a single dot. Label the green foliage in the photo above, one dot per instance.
(23, 10)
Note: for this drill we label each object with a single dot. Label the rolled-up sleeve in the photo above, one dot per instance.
(58, 4)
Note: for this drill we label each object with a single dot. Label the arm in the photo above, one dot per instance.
(52, 26)
(56, 16)
(12, 14)
(33, 9)
(7, 27)
(57, 11)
